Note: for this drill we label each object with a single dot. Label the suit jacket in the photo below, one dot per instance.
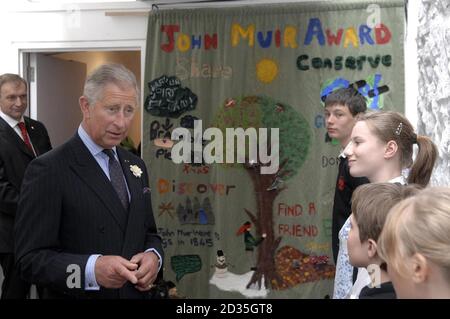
(14, 159)
(345, 186)
(69, 210)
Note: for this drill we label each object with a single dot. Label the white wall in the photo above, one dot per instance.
(411, 67)
(37, 26)
(434, 81)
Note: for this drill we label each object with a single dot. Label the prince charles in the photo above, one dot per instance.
(86, 205)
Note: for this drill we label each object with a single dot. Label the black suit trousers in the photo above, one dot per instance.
(13, 286)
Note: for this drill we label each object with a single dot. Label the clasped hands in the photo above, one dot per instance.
(114, 271)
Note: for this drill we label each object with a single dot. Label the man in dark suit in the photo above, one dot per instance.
(85, 226)
(21, 140)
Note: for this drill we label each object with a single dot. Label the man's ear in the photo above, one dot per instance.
(390, 149)
(419, 268)
(371, 248)
(84, 106)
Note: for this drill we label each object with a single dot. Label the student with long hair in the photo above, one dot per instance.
(381, 149)
(382, 146)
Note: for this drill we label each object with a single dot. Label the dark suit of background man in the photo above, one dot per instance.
(21, 140)
(85, 207)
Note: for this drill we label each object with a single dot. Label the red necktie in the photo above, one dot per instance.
(23, 130)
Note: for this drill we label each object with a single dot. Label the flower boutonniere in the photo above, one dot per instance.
(136, 170)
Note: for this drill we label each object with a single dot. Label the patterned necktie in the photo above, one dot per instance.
(25, 137)
(117, 178)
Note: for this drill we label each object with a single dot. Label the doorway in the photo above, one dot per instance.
(56, 81)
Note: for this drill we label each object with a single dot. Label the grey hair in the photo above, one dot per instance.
(11, 78)
(105, 74)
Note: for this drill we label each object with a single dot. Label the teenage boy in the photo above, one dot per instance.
(341, 108)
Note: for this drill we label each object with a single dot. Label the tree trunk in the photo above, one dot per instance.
(263, 222)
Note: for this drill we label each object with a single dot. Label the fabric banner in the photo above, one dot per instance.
(242, 173)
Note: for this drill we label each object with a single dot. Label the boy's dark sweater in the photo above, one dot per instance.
(385, 291)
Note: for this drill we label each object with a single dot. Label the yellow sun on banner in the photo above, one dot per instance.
(266, 70)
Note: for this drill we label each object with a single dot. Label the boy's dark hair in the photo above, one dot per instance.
(349, 97)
